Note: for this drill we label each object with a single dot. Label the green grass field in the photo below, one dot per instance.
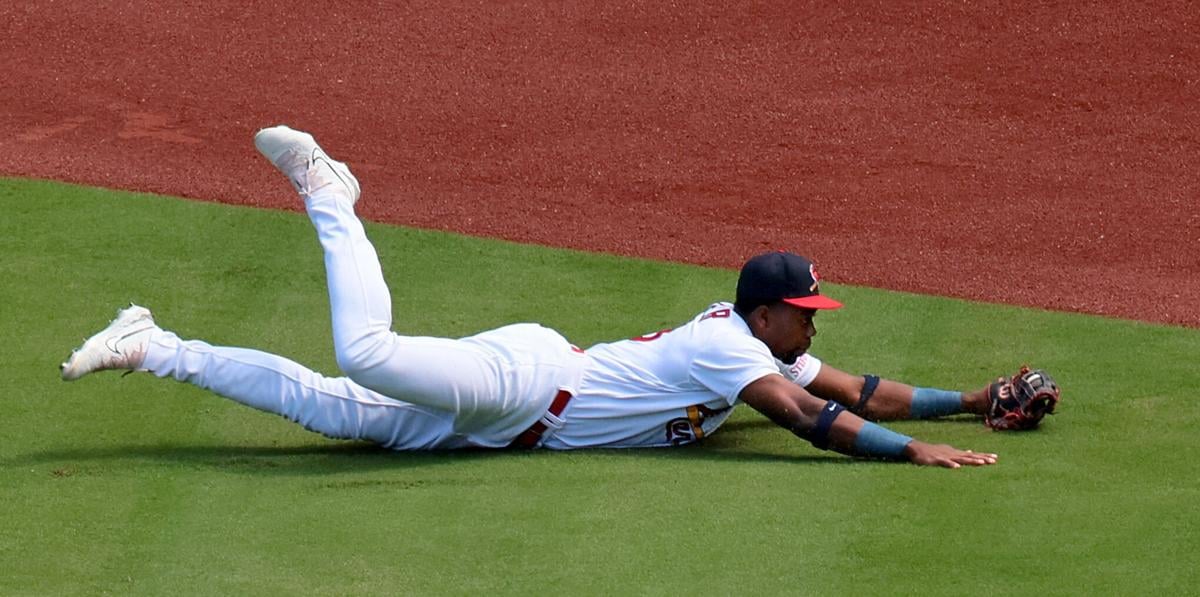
(137, 485)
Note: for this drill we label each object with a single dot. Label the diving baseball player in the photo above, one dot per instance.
(525, 385)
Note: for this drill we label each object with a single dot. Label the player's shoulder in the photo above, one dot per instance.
(720, 321)
(724, 345)
(718, 310)
(719, 317)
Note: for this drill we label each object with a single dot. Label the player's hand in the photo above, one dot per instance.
(924, 454)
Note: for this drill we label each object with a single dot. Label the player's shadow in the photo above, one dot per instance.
(755, 440)
(313, 459)
(738, 441)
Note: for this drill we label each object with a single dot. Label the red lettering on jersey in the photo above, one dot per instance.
(796, 367)
(718, 314)
(651, 336)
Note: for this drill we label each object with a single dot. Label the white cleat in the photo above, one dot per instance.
(121, 345)
(297, 155)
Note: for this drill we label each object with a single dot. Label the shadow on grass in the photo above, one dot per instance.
(287, 460)
(749, 441)
(731, 445)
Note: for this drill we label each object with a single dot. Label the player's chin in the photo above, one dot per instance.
(790, 358)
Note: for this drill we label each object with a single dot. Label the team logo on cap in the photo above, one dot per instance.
(812, 271)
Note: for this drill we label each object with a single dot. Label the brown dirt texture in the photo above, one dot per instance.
(1032, 153)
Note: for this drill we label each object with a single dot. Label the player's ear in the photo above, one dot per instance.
(759, 318)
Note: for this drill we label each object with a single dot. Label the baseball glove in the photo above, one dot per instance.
(1019, 403)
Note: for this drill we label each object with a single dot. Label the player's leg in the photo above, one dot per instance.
(335, 407)
(359, 299)
(437, 372)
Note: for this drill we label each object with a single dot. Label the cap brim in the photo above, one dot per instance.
(815, 301)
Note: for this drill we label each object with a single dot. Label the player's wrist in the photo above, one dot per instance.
(913, 449)
(976, 402)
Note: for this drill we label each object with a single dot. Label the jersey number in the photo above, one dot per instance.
(718, 314)
(651, 336)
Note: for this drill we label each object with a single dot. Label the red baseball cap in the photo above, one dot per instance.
(782, 276)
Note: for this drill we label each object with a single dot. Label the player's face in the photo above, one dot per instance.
(787, 330)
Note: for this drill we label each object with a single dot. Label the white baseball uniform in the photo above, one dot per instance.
(671, 387)
(406, 392)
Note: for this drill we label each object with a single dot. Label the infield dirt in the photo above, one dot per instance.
(1029, 154)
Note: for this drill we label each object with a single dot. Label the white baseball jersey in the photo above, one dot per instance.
(671, 387)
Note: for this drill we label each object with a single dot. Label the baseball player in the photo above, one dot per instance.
(525, 385)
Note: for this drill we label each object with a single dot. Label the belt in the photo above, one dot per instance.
(529, 438)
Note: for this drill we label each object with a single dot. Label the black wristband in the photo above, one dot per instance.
(870, 382)
(820, 432)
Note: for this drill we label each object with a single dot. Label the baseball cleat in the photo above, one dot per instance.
(307, 166)
(121, 345)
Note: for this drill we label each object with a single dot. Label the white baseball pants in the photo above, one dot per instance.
(402, 392)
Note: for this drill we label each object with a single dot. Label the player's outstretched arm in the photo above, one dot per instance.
(879, 399)
(829, 426)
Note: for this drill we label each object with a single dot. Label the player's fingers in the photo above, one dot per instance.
(987, 455)
(975, 459)
(950, 457)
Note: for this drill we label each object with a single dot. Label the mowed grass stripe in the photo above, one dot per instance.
(143, 486)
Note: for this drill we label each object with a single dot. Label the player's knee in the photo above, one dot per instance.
(363, 354)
